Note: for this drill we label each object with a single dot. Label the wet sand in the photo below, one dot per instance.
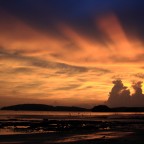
(78, 137)
(47, 131)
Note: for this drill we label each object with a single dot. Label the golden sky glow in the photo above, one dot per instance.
(37, 66)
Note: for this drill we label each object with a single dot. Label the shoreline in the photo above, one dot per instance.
(23, 128)
(79, 137)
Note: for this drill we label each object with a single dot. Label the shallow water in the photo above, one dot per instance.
(66, 115)
(36, 117)
(92, 136)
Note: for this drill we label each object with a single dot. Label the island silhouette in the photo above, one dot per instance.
(42, 107)
(99, 108)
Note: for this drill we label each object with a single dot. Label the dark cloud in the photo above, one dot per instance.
(69, 87)
(139, 75)
(132, 19)
(24, 70)
(5, 54)
(101, 70)
(37, 62)
(61, 68)
(87, 87)
(137, 97)
(137, 86)
(86, 26)
(13, 55)
(17, 71)
(72, 70)
(80, 14)
(28, 86)
(120, 95)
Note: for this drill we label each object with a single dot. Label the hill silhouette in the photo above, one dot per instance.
(42, 107)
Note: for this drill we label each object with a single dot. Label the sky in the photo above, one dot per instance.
(69, 52)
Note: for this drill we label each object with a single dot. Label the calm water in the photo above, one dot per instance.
(67, 115)
(38, 116)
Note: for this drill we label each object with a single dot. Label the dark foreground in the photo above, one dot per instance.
(73, 131)
(82, 137)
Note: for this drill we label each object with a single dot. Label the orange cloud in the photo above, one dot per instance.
(120, 44)
(42, 66)
(18, 36)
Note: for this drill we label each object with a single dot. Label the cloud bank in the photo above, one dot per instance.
(120, 95)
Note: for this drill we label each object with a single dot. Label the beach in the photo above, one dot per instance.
(62, 127)
(79, 137)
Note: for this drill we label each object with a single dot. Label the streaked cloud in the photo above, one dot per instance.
(69, 87)
(58, 56)
(139, 75)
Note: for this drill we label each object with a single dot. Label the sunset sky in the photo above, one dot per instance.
(68, 52)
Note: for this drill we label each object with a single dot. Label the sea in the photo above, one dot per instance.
(9, 117)
(60, 115)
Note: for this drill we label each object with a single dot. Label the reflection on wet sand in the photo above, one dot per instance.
(77, 137)
(95, 136)
(100, 129)
(71, 131)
